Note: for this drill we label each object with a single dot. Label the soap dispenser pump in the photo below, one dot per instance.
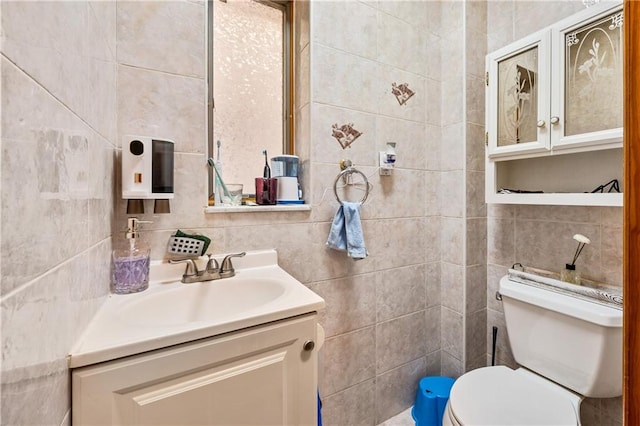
(130, 268)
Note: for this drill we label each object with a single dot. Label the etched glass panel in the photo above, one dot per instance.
(248, 87)
(518, 98)
(593, 58)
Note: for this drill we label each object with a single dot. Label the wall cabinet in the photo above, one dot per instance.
(518, 97)
(265, 375)
(557, 93)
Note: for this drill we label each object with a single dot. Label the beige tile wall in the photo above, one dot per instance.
(541, 236)
(475, 209)
(383, 313)
(63, 128)
(452, 188)
(58, 141)
(462, 206)
(388, 316)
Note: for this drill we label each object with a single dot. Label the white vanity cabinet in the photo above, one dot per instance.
(554, 112)
(264, 375)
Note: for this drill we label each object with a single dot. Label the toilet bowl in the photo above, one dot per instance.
(495, 396)
(567, 347)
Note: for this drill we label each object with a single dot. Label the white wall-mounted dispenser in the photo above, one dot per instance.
(388, 159)
(147, 173)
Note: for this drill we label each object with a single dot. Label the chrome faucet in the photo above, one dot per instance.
(211, 272)
(226, 270)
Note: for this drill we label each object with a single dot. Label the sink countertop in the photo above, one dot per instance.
(111, 335)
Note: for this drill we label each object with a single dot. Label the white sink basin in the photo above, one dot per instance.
(205, 301)
(170, 312)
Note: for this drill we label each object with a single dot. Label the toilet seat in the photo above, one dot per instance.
(501, 396)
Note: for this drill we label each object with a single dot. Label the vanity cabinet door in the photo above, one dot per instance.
(518, 97)
(262, 376)
(587, 78)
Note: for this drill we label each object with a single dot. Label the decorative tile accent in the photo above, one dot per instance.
(402, 92)
(345, 134)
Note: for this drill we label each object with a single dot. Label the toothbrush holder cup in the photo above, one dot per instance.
(266, 191)
(234, 197)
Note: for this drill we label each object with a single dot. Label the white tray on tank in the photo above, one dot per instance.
(587, 290)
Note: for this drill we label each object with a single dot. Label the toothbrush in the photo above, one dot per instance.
(218, 170)
(266, 174)
(218, 177)
(267, 171)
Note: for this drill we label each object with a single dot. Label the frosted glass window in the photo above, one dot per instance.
(593, 56)
(249, 86)
(518, 98)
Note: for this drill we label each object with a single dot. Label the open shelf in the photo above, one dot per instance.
(565, 179)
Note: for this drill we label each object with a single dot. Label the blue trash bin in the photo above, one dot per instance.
(431, 400)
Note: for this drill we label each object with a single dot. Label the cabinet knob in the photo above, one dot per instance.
(309, 345)
(555, 119)
(541, 123)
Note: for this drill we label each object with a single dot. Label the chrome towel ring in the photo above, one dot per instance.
(347, 173)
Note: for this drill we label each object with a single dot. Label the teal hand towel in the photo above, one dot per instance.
(338, 234)
(346, 231)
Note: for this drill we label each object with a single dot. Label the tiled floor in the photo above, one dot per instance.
(402, 419)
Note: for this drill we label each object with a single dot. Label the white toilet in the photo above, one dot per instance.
(568, 348)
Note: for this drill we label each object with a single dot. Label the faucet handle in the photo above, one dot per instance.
(212, 264)
(191, 268)
(227, 267)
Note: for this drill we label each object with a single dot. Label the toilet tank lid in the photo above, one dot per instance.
(561, 303)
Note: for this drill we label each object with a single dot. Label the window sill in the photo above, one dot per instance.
(259, 209)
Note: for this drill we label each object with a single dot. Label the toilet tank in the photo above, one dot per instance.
(571, 341)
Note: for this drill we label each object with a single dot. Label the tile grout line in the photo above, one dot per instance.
(51, 270)
(57, 99)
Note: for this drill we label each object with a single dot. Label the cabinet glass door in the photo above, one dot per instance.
(518, 97)
(590, 77)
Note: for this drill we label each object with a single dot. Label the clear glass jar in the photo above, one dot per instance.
(570, 274)
(130, 270)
